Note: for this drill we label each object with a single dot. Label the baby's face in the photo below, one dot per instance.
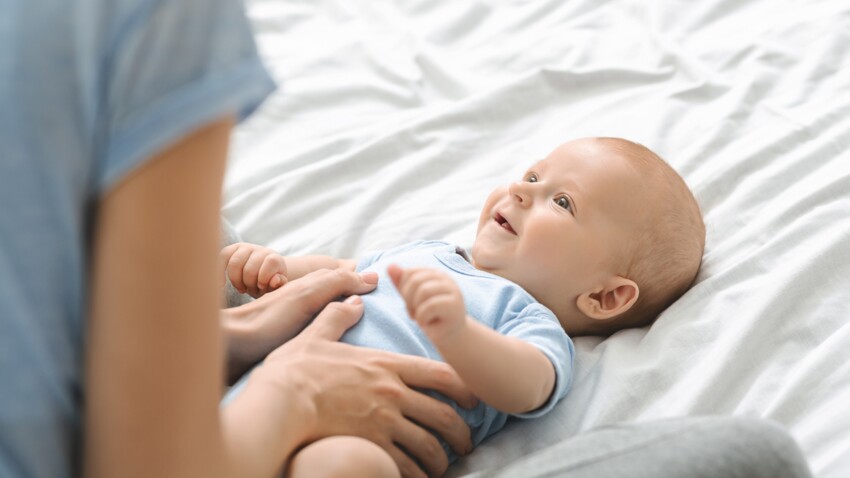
(560, 230)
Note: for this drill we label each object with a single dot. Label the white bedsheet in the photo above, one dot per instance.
(395, 119)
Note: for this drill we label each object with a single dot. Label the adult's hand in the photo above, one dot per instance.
(254, 329)
(363, 392)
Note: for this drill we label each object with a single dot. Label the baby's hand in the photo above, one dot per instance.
(433, 300)
(253, 269)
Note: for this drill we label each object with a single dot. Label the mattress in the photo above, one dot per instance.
(394, 120)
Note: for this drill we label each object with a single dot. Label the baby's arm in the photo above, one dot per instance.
(255, 270)
(509, 374)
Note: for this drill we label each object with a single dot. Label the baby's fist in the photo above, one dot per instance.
(253, 269)
(433, 300)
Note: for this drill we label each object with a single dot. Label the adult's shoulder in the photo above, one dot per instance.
(109, 83)
(164, 69)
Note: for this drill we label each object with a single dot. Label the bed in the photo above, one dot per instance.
(395, 119)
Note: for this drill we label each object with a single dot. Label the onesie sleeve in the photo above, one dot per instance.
(171, 67)
(540, 328)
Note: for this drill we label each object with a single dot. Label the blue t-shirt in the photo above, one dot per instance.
(491, 300)
(89, 90)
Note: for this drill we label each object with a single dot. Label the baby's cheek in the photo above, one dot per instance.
(553, 256)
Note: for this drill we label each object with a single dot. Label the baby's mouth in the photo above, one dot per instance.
(504, 223)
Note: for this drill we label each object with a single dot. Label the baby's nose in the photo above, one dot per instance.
(519, 192)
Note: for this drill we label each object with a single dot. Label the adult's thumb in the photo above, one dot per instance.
(335, 319)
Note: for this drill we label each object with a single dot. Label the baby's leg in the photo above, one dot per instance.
(342, 456)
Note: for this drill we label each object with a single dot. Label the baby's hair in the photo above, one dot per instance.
(665, 254)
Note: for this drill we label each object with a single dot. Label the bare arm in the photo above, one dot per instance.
(506, 373)
(154, 363)
(510, 375)
(154, 369)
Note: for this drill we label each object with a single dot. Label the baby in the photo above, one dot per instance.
(599, 236)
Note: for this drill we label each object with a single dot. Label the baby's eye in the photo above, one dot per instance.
(563, 202)
(531, 177)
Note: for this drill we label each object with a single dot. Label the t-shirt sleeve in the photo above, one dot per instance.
(544, 332)
(171, 67)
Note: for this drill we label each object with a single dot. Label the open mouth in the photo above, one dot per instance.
(504, 223)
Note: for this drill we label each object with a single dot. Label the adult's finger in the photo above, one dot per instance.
(406, 466)
(335, 319)
(312, 292)
(423, 446)
(439, 417)
(421, 372)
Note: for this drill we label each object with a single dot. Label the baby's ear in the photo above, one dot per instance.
(609, 300)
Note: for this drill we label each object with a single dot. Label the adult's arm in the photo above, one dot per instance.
(155, 362)
(154, 354)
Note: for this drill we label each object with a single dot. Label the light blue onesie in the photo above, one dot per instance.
(89, 90)
(492, 300)
(496, 302)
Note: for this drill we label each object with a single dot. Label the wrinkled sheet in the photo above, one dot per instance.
(394, 120)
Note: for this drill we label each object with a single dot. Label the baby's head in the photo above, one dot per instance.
(602, 231)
